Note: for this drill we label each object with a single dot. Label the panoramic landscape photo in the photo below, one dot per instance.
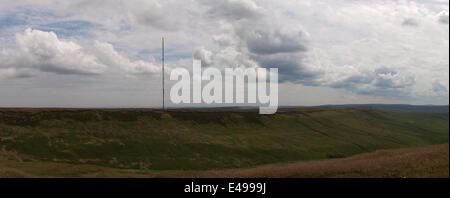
(224, 89)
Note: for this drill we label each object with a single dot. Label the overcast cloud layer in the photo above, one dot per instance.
(107, 53)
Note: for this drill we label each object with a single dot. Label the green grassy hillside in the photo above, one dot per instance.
(208, 139)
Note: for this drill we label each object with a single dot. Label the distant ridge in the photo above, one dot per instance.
(402, 107)
(392, 107)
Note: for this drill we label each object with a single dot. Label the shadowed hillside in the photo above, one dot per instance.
(208, 139)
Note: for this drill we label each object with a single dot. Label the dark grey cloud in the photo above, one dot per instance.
(410, 22)
(386, 77)
(24, 75)
(161, 18)
(383, 81)
(204, 55)
(57, 69)
(271, 48)
(354, 81)
(290, 68)
(444, 18)
(265, 42)
(233, 9)
(257, 37)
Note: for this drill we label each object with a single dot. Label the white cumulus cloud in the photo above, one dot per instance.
(107, 54)
(44, 51)
(39, 51)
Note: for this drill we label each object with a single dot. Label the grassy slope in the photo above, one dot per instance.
(429, 161)
(204, 140)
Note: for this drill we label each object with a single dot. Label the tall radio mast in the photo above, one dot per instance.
(163, 105)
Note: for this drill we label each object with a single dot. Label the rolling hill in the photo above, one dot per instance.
(204, 140)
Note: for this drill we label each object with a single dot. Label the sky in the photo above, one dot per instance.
(107, 53)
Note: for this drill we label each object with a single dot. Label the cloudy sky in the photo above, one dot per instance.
(106, 53)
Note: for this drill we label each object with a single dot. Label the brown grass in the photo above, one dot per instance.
(430, 161)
